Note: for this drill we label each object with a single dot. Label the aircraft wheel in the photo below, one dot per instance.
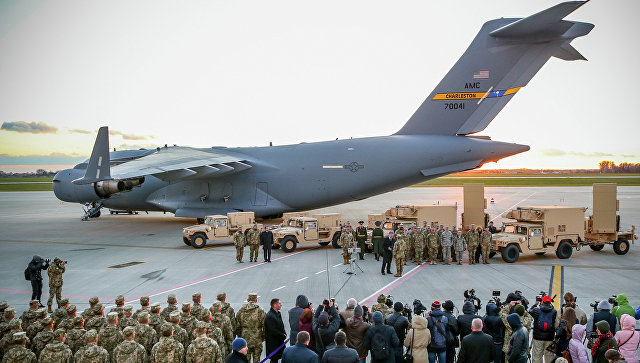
(335, 241)
(510, 254)
(186, 241)
(97, 214)
(540, 253)
(596, 247)
(198, 240)
(621, 246)
(564, 250)
(110, 212)
(323, 243)
(289, 244)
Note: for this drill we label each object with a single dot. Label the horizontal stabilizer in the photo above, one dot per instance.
(547, 22)
(98, 167)
(569, 53)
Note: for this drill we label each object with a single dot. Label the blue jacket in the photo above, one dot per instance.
(299, 353)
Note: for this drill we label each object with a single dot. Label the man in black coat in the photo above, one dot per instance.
(274, 332)
(326, 323)
(452, 332)
(476, 347)
(35, 267)
(387, 247)
(464, 320)
(400, 325)
(388, 334)
(300, 353)
(266, 240)
(340, 353)
(494, 326)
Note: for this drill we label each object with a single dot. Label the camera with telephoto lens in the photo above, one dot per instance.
(389, 301)
(470, 295)
(406, 312)
(612, 300)
(418, 307)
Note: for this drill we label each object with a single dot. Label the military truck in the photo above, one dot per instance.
(302, 230)
(217, 228)
(474, 206)
(603, 227)
(415, 214)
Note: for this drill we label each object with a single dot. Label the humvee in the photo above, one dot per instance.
(295, 230)
(217, 228)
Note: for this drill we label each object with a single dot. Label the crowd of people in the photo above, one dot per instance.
(509, 331)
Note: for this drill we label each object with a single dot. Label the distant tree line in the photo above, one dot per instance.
(39, 172)
(607, 166)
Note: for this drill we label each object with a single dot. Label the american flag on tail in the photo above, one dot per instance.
(481, 75)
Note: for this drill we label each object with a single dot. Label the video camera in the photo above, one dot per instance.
(406, 312)
(495, 298)
(611, 300)
(470, 295)
(418, 307)
(389, 301)
(543, 294)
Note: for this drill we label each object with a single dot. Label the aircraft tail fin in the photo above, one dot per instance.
(98, 167)
(503, 57)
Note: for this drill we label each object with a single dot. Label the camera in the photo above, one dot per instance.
(406, 312)
(495, 298)
(612, 300)
(594, 305)
(470, 295)
(418, 307)
(389, 301)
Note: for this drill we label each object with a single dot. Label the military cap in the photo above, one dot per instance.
(9, 312)
(252, 297)
(201, 325)
(473, 224)
(128, 332)
(378, 223)
(71, 309)
(197, 295)
(175, 315)
(128, 308)
(59, 333)
(112, 316)
(42, 312)
(77, 320)
(19, 336)
(34, 303)
(171, 299)
(144, 300)
(94, 300)
(91, 335)
(221, 296)
(143, 316)
(15, 323)
(64, 301)
(47, 321)
(155, 307)
(166, 329)
(186, 307)
(57, 259)
(4, 304)
(119, 300)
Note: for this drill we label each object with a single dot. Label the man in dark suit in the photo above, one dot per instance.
(274, 332)
(266, 240)
(476, 347)
(387, 247)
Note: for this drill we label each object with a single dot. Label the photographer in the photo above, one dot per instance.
(494, 326)
(325, 325)
(452, 338)
(35, 276)
(603, 313)
(570, 302)
(400, 325)
(464, 320)
(55, 281)
(544, 318)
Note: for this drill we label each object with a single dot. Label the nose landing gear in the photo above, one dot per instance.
(92, 210)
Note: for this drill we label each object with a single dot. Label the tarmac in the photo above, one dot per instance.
(143, 255)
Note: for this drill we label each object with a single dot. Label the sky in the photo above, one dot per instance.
(246, 73)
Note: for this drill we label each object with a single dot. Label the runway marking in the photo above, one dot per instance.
(281, 287)
(555, 285)
(104, 244)
(392, 285)
(337, 265)
(515, 205)
(63, 295)
(319, 272)
(127, 264)
(304, 278)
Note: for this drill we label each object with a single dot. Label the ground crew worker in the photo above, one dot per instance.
(91, 352)
(167, 350)
(361, 237)
(144, 334)
(110, 336)
(446, 241)
(400, 252)
(239, 241)
(346, 239)
(19, 351)
(376, 238)
(485, 243)
(197, 308)
(56, 351)
(432, 244)
(129, 351)
(250, 320)
(418, 245)
(253, 239)
(472, 243)
(226, 309)
(55, 272)
(459, 245)
(203, 348)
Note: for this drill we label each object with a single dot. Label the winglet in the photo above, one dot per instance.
(98, 168)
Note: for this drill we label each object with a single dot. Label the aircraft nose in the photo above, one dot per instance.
(62, 187)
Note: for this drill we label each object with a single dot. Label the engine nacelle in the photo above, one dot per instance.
(130, 183)
(106, 188)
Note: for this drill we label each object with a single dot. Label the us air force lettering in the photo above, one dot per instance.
(503, 57)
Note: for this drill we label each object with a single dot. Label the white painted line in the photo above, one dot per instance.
(281, 287)
(319, 272)
(304, 278)
(337, 265)
(515, 205)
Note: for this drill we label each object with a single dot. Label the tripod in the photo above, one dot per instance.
(351, 269)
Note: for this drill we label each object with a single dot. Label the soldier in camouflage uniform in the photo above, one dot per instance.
(98, 321)
(409, 255)
(119, 306)
(253, 240)
(418, 246)
(19, 352)
(361, 238)
(4, 305)
(203, 349)
(250, 319)
(432, 246)
(239, 241)
(144, 306)
(446, 241)
(127, 319)
(459, 245)
(61, 312)
(213, 332)
(6, 343)
(399, 252)
(88, 312)
(172, 305)
(129, 351)
(36, 327)
(167, 350)
(155, 318)
(144, 334)
(526, 320)
(44, 337)
(381, 306)
(346, 239)
(75, 337)
(224, 324)
(454, 234)
(91, 352)
(67, 323)
(8, 315)
(179, 333)
(225, 308)
(425, 251)
(110, 336)
(56, 351)
(187, 321)
(55, 271)
(472, 243)
(485, 244)
(30, 316)
(197, 308)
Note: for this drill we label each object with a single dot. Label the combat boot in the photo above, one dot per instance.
(49, 309)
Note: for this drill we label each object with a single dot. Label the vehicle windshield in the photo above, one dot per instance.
(209, 221)
(536, 232)
(509, 228)
(292, 223)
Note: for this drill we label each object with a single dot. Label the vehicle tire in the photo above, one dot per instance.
(130, 212)
(186, 241)
(492, 253)
(275, 247)
(200, 220)
(97, 214)
(198, 240)
(323, 243)
(111, 212)
(621, 246)
(596, 247)
(541, 253)
(564, 250)
(335, 241)
(510, 254)
(289, 244)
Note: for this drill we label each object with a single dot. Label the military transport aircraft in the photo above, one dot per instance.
(435, 141)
